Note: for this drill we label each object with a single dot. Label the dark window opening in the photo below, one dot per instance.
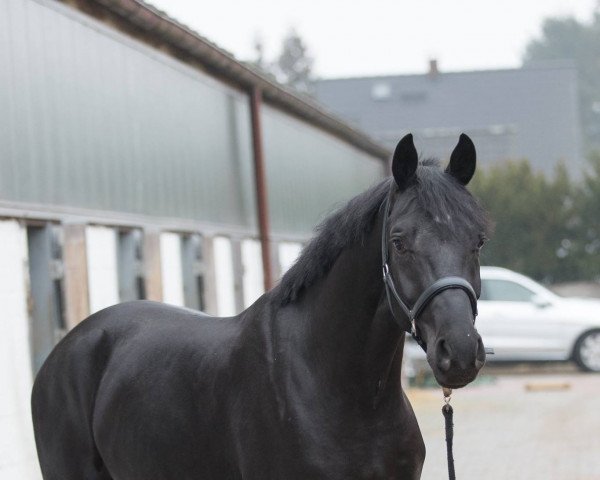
(130, 265)
(193, 271)
(46, 290)
(141, 288)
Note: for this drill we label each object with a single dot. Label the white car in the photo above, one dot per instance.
(524, 321)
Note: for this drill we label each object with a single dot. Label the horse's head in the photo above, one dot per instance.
(434, 230)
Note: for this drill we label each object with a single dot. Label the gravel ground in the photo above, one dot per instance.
(516, 423)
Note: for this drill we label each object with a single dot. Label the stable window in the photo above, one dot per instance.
(381, 91)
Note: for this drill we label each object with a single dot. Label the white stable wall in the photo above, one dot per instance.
(224, 276)
(288, 253)
(171, 268)
(252, 277)
(18, 459)
(103, 281)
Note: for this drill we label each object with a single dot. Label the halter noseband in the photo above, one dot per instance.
(425, 298)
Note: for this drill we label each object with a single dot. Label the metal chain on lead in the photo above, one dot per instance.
(447, 394)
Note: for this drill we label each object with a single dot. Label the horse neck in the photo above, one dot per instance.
(350, 322)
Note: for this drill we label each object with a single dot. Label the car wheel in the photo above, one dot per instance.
(587, 351)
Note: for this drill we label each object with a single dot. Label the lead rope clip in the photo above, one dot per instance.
(447, 395)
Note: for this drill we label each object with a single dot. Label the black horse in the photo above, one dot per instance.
(304, 384)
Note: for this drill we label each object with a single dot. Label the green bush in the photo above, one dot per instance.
(547, 228)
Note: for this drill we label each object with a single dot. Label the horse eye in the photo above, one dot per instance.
(399, 245)
(481, 243)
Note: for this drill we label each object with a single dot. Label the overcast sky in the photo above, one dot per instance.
(373, 37)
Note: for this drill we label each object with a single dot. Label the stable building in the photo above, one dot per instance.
(140, 161)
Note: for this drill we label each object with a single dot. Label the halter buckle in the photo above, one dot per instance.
(386, 271)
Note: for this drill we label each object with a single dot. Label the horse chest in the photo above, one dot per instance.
(357, 447)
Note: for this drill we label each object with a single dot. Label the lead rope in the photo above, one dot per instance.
(448, 412)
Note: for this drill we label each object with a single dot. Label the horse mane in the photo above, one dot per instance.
(439, 195)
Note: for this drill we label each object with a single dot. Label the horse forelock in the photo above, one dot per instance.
(447, 203)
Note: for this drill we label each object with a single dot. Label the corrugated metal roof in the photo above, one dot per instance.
(139, 17)
(100, 125)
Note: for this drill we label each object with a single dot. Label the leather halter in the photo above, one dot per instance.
(426, 297)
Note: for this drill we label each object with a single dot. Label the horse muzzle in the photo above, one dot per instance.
(456, 360)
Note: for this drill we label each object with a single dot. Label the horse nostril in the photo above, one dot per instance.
(443, 355)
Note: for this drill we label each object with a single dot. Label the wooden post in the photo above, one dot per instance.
(210, 279)
(77, 303)
(262, 201)
(152, 265)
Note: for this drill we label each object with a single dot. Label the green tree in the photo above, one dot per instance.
(567, 38)
(534, 228)
(588, 222)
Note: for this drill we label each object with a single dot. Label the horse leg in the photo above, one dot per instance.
(409, 464)
(62, 404)
(66, 452)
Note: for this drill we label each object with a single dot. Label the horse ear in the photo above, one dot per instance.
(404, 164)
(462, 160)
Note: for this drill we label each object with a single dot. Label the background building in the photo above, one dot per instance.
(139, 160)
(527, 113)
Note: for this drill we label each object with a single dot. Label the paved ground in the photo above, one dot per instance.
(516, 424)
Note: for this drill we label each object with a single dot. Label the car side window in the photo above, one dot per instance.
(505, 291)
